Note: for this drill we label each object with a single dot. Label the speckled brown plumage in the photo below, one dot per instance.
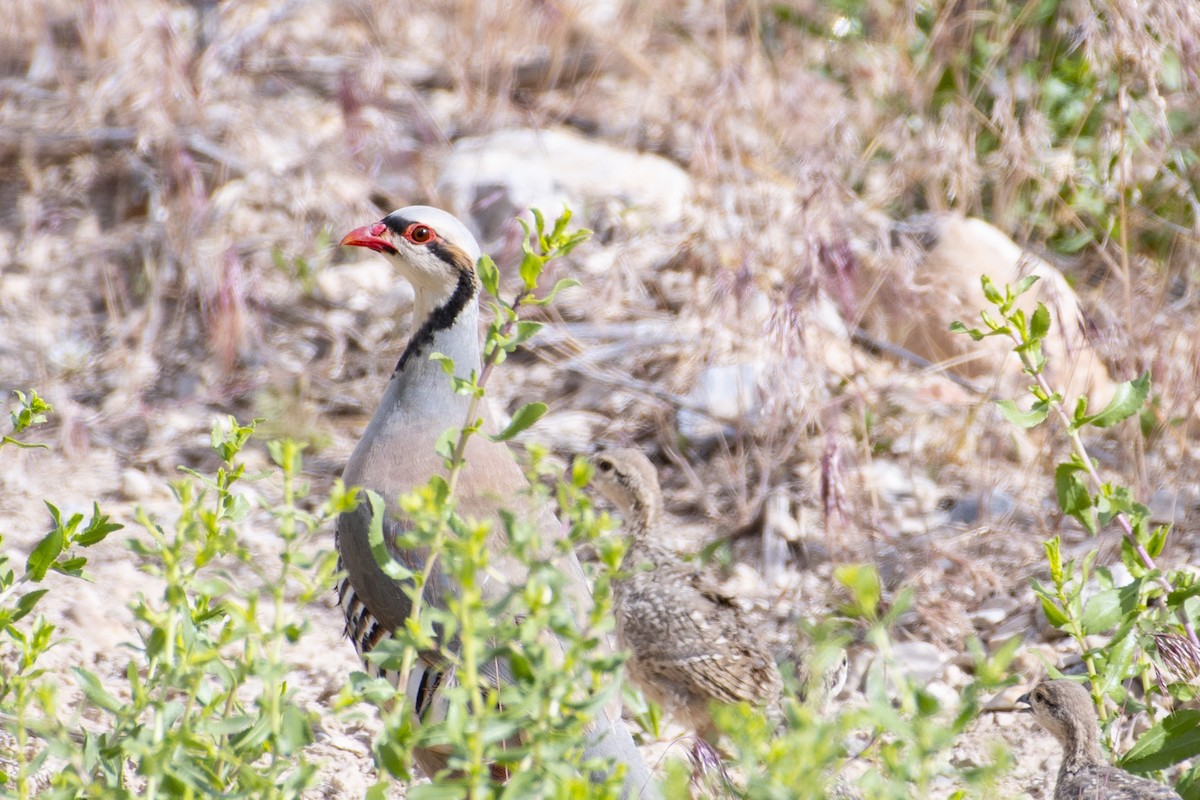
(1065, 709)
(690, 643)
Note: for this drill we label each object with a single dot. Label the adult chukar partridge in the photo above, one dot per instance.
(437, 255)
(1065, 709)
(690, 643)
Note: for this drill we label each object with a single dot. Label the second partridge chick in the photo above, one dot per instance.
(1065, 709)
(691, 644)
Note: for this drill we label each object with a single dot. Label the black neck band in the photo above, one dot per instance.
(442, 318)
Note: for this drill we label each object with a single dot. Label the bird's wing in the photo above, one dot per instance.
(694, 640)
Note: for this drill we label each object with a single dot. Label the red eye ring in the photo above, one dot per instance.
(419, 234)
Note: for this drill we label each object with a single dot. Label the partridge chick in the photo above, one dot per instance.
(1065, 709)
(690, 643)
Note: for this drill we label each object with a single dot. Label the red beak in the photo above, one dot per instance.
(370, 237)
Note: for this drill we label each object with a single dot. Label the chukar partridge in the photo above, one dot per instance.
(690, 643)
(436, 253)
(1065, 709)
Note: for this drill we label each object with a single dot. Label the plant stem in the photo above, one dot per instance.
(1098, 484)
(457, 461)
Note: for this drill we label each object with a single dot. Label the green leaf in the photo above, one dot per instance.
(226, 725)
(974, 333)
(1176, 738)
(531, 266)
(1105, 610)
(30, 413)
(95, 691)
(539, 226)
(71, 566)
(993, 325)
(379, 545)
(526, 416)
(1054, 614)
(1179, 596)
(560, 225)
(295, 730)
(379, 790)
(1053, 547)
(446, 442)
(1129, 397)
(1039, 324)
(863, 582)
(1188, 785)
(1023, 419)
(26, 603)
(990, 291)
(1073, 496)
(489, 275)
(562, 283)
(45, 554)
(97, 529)
(521, 785)
(444, 361)
(1081, 406)
(1024, 285)
(526, 330)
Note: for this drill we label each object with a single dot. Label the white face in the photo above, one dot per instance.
(445, 225)
(428, 246)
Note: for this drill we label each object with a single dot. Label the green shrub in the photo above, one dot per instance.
(1145, 623)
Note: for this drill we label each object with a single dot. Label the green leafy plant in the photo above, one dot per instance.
(31, 412)
(22, 687)
(905, 731)
(204, 708)
(209, 708)
(1145, 619)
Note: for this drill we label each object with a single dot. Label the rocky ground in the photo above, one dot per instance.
(174, 178)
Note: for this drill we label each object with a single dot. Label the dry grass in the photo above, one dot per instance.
(159, 160)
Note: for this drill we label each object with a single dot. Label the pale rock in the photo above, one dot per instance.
(947, 698)
(598, 14)
(912, 294)
(897, 483)
(1170, 506)
(136, 486)
(994, 611)
(725, 393)
(488, 180)
(969, 510)
(920, 661)
(955, 677)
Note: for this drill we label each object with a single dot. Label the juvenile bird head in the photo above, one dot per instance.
(627, 478)
(429, 247)
(1062, 707)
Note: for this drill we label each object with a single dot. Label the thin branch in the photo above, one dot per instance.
(1098, 483)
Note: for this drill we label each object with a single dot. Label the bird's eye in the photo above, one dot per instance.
(604, 466)
(419, 234)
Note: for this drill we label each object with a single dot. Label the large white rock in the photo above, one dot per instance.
(910, 300)
(488, 180)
